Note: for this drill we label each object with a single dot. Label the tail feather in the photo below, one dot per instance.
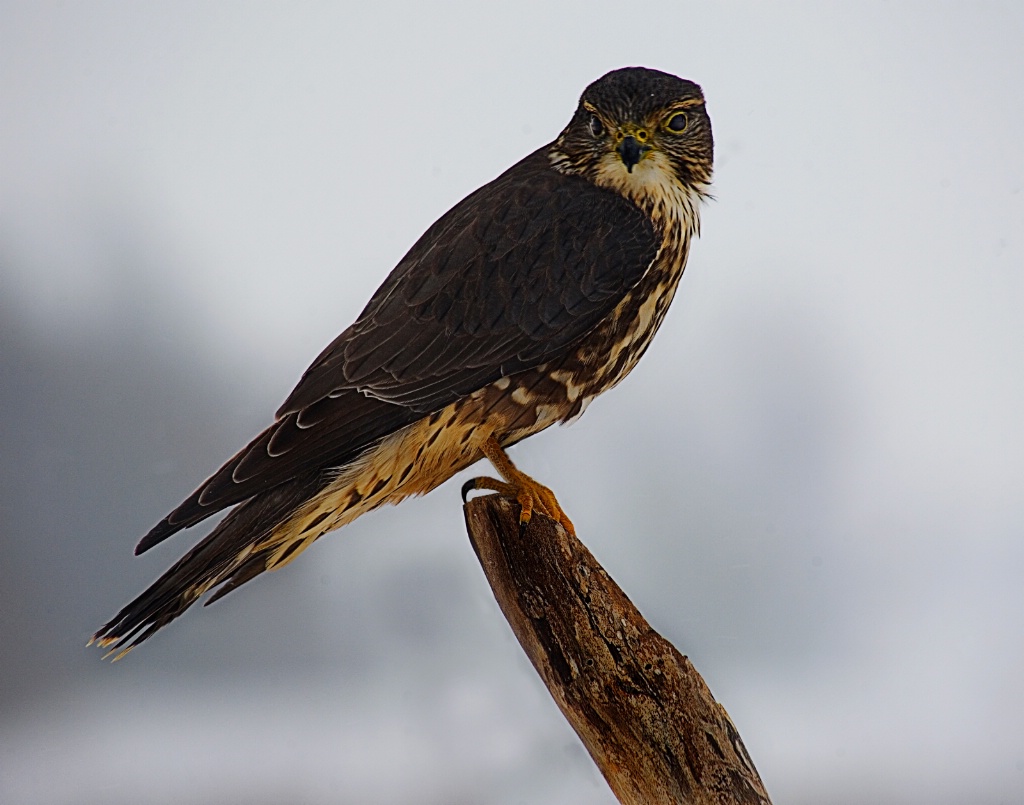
(224, 557)
(247, 571)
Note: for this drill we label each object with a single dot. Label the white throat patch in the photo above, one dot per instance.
(653, 187)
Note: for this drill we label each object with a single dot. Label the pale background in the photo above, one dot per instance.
(811, 484)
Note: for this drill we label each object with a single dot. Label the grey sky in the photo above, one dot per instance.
(811, 484)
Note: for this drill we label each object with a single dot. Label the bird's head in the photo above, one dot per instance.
(642, 133)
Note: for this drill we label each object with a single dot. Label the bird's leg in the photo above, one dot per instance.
(531, 495)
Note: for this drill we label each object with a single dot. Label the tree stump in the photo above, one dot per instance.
(641, 709)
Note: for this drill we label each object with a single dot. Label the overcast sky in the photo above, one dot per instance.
(811, 484)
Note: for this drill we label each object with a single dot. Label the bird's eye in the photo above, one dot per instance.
(677, 122)
(596, 126)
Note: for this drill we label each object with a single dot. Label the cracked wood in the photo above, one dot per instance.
(641, 709)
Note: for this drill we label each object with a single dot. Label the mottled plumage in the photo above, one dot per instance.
(516, 308)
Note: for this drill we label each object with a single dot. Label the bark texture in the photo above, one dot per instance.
(641, 709)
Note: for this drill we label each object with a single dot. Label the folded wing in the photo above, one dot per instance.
(508, 279)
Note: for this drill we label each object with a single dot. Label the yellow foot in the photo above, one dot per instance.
(528, 493)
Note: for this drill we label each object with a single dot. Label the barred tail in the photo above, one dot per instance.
(230, 555)
(272, 528)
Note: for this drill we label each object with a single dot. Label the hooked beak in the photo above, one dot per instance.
(631, 151)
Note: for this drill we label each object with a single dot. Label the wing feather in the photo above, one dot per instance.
(514, 274)
(508, 279)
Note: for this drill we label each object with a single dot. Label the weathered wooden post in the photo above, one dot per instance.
(644, 713)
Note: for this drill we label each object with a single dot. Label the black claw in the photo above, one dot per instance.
(468, 487)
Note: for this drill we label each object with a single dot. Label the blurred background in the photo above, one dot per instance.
(811, 484)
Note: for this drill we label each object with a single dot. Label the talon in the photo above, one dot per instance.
(484, 482)
(528, 493)
(526, 504)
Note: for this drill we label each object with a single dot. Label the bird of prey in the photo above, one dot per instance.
(521, 304)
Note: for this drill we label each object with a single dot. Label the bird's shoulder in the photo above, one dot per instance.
(515, 271)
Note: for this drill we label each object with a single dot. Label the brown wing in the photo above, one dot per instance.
(508, 279)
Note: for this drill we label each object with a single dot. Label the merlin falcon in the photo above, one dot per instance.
(526, 300)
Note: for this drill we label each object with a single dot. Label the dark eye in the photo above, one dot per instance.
(677, 122)
(596, 126)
